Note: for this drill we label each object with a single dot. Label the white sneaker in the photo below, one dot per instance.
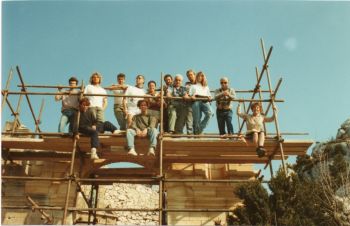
(117, 131)
(151, 151)
(132, 152)
(94, 155)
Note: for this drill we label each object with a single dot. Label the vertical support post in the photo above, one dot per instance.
(25, 93)
(90, 203)
(5, 94)
(161, 151)
(274, 109)
(271, 169)
(40, 113)
(260, 96)
(71, 171)
(95, 221)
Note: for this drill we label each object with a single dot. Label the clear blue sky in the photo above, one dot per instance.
(51, 41)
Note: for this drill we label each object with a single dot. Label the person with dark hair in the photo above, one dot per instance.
(98, 104)
(130, 103)
(89, 126)
(224, 97)
(143, 125)
(70, 103)
(255, 126)
(119, 89)
(153, 103)
(191, 76)
(168, 80)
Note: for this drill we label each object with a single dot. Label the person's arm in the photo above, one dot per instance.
(242, 115)
(232, 94)
(58, 96)
(105, 103)
(218, 94)
(272, 118)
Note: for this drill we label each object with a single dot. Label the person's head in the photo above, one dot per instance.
(178, 80)
(95, 78)
(168, 79)
(140, 80)
(151, 86)
(73, 81)
(256, 108)
(84, 104)
(224, 83)
(121, 78)
(200, 78)
(143, 105)
(191, 76)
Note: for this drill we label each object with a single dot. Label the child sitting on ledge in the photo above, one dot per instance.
(255, 126)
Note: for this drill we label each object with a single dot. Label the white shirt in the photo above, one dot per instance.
(132, 90)
(95, 101)
(200, 90)
(119, 100)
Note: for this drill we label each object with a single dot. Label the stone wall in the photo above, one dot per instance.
(44, 193)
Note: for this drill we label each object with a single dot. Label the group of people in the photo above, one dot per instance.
(138, 112)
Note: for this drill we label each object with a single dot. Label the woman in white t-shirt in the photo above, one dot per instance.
(199, 107)
(98, 104)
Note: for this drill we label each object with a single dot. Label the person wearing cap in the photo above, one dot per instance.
(70, 103)
(119, 89)
(224, 97)
(255, 126)
(98, 104)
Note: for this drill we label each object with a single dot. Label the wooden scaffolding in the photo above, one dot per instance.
(208, 148)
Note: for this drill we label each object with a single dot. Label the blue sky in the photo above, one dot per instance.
(51, 41)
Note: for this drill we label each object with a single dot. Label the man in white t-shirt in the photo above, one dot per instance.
(130, 103)
(98, 104)
(119, 89)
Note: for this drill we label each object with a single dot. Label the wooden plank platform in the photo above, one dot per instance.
(176, 150)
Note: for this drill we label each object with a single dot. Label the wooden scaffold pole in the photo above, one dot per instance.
(4, 93)
(280, 140)
(71, 171)
(161, 150)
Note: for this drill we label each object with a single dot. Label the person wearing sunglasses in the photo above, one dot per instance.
(224, 96)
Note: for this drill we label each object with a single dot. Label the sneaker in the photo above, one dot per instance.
(94, 155)
(261, 152)
(132, 152)
(117, 131)
(151, 151)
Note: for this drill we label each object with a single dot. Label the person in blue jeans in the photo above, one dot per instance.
(90, 126)
(224, 97)
(143, 125)
(200, 107)
(70, 103)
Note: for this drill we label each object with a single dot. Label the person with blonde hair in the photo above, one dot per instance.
(255, 126)
(199, 107)
(98, 104)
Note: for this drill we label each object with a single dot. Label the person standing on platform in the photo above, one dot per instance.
(143, 125)
(70, 104)
(130, 103)
(255, 126)
(224, 97)
(191, 76)
(88, 125)
(199, 107)
(168, 80)
(177, 109)
(98, 104)
(153, 103)
(119, 89)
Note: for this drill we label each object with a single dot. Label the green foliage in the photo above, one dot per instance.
(296, 199)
